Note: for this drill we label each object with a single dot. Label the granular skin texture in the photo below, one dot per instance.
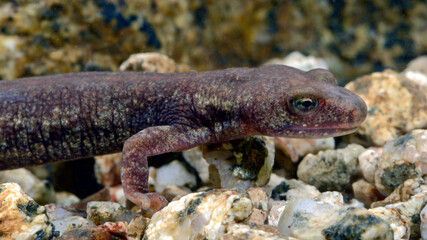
(78, 115)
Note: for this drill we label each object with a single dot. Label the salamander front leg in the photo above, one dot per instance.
(148, 142)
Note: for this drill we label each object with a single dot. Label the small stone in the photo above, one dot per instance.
(21, 217)
(102, 212)
(300, 61)
(365, 192)
(259, 198)
(359, 224)
(66, 198)
(276, 210)
(331, 169)
(250, 232)
(307, 219)
(174, 173)
(423, 229)
(297, 213)
(107, 169)
(402, 158)
(296, 148)
(40, 190)
(137, 226)
(194, 157)
(116, 231)
(335, 199)
(408, 199)
(240, 163)
(201, 215)
(258, 217)
(286, 189)
(397, 223)
(172, 191)
(72, 222)
(396, 105)
(419, 64)
(151, 62)
(368, 162)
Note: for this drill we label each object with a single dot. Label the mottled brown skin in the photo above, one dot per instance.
(78, 115)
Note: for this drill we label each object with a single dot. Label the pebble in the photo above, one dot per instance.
(102, 212)
(21, 217)
(368, 162)
(202, 215)
(194, 157)
(152, 62)
(296, 148)
(285, 189)
(174, 173)
(240, 163)
(396, 105)
(243, 231)
(365, 192)
(40, 190)
(403, 158)
(308, 219)
(423, 228)
(116, 231)
(107, 169)
(408, 200)
(331, 169)
(298, 60)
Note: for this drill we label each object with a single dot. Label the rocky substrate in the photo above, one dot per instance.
(370, 185)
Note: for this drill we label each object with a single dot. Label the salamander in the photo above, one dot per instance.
(78, 115)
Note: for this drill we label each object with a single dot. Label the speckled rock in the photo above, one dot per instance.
(296, 148)
(21, 217)
(200, 215)
(285, 189)
(396, 105)
(402, 158)
(65, 217)
(116, 231)
(368, 162)
(250, 232)
(331, 169)
(423, 228)
(174, 173)
(400, 227)
(40, 190)
(307, 219)
(408, 199)
(240, 163)
(102, 212)
(300, 61)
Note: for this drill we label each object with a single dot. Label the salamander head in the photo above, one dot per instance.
(298, 104)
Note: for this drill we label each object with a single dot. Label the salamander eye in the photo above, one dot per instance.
(304, 105)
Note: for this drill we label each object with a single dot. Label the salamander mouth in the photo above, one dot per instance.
(315, 132)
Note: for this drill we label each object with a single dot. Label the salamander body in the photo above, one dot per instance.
(70, 116)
